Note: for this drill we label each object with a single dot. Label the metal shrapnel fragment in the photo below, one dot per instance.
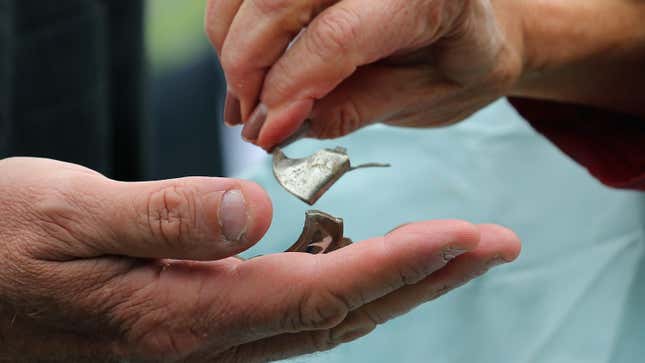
(321, 234)
(309, 178)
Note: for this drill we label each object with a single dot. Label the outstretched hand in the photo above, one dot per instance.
(98, 269)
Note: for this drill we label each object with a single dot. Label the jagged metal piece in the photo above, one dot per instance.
(321, 234)
(309, 178)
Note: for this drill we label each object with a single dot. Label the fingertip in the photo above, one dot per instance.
(506, 241)
(466, 233)
(196, 218)
(242, 216)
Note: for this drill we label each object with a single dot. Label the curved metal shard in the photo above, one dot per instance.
(309, 178)
(321, 234)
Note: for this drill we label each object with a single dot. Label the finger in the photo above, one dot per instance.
(306, 292)
(286, 346)
(352, 34)
(375, 93)
(226, 303)
(218, 18)
(283, 293)
(232, 111)
(190, 218)
(407, 97)
(497, 245)
(258, 36)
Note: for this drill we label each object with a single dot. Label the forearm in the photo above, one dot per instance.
(583, 51)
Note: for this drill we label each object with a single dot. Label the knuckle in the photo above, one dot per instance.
(279, 83)
(60, 212)
(172, 213)
(229, 62)
(57, 216)
(411, 271)
(506, 71)
(334, 31)
(235, 65)
(440, 291)
(321, 309)
(269, 7)
(344, 120)
(56, 211)
(349, 116)
(377, 317)
(322, 340)
(432, 19)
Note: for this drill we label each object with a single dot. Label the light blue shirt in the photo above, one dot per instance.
(576, 294)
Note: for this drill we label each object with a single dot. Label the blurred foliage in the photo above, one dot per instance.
(174, 32)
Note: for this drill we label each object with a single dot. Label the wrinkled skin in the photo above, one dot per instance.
(414, 63)
(97, 270)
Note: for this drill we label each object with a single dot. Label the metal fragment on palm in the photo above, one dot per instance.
(322, 233)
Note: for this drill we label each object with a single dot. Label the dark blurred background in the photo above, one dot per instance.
(130, 88)
(186, 92)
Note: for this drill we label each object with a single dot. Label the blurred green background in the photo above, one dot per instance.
(174, 32)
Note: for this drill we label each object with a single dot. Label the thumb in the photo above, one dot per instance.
(189, 218)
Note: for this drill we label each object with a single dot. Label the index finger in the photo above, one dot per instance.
(257, 37)
(345, 36)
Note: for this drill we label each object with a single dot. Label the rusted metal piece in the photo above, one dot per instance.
(321, 234)
(309, 178)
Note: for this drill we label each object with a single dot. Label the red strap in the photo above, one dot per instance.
(611, 145)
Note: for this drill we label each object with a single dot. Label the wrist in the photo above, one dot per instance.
(514, 54)
(574, 51)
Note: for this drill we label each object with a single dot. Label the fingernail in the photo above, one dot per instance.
(450, 253)
(232, 111)
(398, 227)
(233, 216)
(253, 126)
